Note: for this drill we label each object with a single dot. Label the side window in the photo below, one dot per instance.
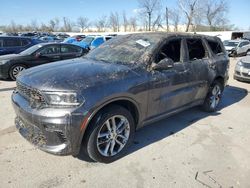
(172, 50)
(52, 49)
(25, 42)
(1, 42)
(108, 38)
(12, 42)
(70, 49)
(196, 49)
(243, 44)
(98, 42)
(215, 46)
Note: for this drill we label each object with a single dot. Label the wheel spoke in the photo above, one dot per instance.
(107, 148)
(108, 125)
(100, 135)
(121, 136)
(112, 147)
(103, 142)
(113, 123)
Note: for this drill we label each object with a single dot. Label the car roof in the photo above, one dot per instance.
(19, 37)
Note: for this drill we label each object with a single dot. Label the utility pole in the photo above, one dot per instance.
(167, 19)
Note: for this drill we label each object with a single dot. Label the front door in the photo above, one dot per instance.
(170, 89)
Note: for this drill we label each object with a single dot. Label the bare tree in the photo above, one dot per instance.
(54, 24)
(157, 23)
(133, 24)
(67, 24)
(101, 24)
(125, 21)
(174, 17)
(148, 8)
(114, 21)
(215, 12)
(189, 8)
(83, 23)
(33, 25)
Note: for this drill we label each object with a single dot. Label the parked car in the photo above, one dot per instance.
(98, 101)
(91, 42)
(62, 36)
(15, 45)
(237, 47)
(75, 38)
(242, 69)
(11, 65)
(50, 39)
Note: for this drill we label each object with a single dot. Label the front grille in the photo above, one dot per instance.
(237, 72)
(246, 65)
(33, 95)
(246, 74)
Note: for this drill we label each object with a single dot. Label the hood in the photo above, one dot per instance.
(10, 57)
(74, 74)
(229, 47)
(246, 59)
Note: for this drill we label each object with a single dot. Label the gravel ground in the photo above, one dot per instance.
(191, 149)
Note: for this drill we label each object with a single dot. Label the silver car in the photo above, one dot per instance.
(242, 69)
(237, 47)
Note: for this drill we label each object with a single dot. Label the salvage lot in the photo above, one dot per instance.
(191, 149)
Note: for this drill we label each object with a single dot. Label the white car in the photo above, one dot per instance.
(237, 47)
(242, 69)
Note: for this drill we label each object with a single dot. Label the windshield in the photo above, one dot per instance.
(31, 50)
(88, 40)
(126, 49)
(230, 43)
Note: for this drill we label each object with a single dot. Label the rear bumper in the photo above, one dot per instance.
(55, 131)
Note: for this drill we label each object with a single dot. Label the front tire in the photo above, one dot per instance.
(15, 70)
(112, 131)
(213, 97)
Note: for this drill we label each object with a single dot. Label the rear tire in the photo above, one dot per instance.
(213, 97)
(15, 70)
(110, 134)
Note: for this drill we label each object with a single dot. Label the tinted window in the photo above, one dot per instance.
(1, 42)
(243, 44)
(12, 42)
(52, 49)
(70, 49)
(215, 46)
(171, 50)
(195, 49)
(25, 42)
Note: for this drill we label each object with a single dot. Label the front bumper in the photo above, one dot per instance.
(4, 72)
(242, 74)
(56, 131)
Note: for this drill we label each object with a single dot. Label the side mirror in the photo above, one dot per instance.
(164, 64)
(38, 54)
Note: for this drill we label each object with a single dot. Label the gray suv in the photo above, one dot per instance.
(97, 102)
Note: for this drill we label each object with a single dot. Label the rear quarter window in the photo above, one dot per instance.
(215, 47)
(25, 42)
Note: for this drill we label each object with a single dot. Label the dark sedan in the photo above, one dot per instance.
(11, 65)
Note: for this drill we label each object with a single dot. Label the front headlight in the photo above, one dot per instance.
(239, 63)
(63, 98)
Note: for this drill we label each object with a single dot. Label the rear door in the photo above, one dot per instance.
(70, 51)
(198, 61)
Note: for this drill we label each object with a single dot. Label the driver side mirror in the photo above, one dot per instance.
(164, 64)
(38, 54)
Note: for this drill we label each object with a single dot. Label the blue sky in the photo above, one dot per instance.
(23, 11)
